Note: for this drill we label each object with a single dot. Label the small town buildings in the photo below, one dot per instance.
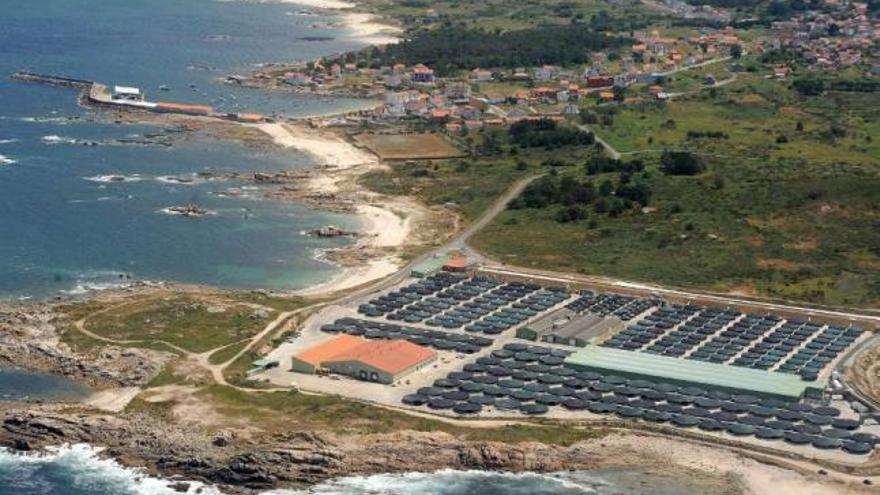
(458, 91)
(440, 115)
(600, 81)
(481, 75)
(297, 79)
(546, 73)
(422, 74)
(606, 96)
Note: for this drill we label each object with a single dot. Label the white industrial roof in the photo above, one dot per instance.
(126, 90)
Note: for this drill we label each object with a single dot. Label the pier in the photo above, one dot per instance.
(50, 80)
(127, 98)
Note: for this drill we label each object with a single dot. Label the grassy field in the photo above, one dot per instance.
(283, 411)
(761, 120)
(409, 146)
(188, 321)
(795, 217)
(471, 184)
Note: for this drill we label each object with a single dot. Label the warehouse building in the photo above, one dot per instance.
(567, 327)
(732, 379)
(382, 361)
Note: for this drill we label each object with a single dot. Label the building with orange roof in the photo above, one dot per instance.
(457, 264)
(382, 361)
(313, 358)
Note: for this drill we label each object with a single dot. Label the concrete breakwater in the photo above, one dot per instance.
(129, 98)
(51, 80)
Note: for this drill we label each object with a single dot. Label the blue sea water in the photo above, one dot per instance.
(24, 385)
(78, 470)
(64, 230)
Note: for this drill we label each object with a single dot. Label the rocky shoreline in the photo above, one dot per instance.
(30, 339)
(298, 459)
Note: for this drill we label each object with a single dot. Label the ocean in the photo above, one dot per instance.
(78, 470)
(81, 201)
(25, 385)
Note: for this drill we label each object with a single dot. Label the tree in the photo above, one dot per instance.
(619, 93)
(808, 86)
(680, 163)
(736, 51)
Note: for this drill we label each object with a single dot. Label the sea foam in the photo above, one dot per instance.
(113, 178)
(80, 470)
(5, 160)
(55, 139)
(451, 482)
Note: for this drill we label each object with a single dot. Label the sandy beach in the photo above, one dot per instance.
(757, 478)
(389, 224)
(364, 26)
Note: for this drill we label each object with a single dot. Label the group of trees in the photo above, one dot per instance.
(600, 164)
(452, 49)
(547, 133)
(576, 198)
(814, 86)
(707, 134)
(680, 163)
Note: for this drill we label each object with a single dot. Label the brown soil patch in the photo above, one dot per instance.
(763, 223)
(743, 289)
(188, 407)
(408, 146)
(865, 372)
(753, 240)
(777, 264)
(752, 99)
(803, 245)
(791, 111)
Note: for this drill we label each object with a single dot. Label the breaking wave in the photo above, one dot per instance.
(78, 470)
(5, 160)
(113, 178)
(55, 139)
(449, 482)
(8, 141)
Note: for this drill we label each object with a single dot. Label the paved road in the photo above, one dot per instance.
(458, 242)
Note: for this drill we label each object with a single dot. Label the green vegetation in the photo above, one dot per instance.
(186, 321)
(453, 49)
(472, 184)
(227, 352)
(278, 303)
(752, 187)
(546, 133)
(509, 15)
(283, 410)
